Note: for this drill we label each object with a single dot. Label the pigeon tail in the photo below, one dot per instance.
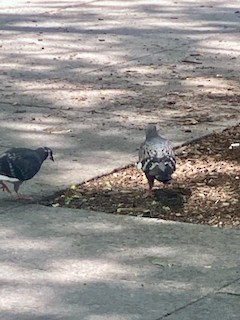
(166, 175)
(160, 168)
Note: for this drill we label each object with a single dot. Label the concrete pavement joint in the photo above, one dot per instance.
(174, 48)
(14, 206)
(28, 105)
(201, 298)
(74, 6)
(229, 293)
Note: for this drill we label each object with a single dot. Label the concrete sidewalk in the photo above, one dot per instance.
(85, 77)
(73, 264)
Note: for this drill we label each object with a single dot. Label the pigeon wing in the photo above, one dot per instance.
(20, 163)
(155, 148)
(154, 154)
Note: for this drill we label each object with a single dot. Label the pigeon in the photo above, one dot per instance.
(156, 158)
(21, 164)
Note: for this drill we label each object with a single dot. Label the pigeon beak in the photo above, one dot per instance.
(51, 157)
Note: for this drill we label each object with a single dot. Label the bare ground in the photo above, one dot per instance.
(205, 187)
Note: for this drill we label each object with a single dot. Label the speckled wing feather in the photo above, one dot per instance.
(157, 147)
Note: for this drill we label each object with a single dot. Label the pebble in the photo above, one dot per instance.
(225, 204)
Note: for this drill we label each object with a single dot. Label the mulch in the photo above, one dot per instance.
(205, 187)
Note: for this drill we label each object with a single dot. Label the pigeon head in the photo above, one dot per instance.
(48, 153)
(151, 131)
(45, 153)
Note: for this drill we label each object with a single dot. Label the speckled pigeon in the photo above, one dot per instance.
(21, 164)
(156, 158)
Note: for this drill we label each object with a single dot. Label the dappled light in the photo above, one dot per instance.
(80, 261)
(84, 78)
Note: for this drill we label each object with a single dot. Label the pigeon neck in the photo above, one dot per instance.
(151, 134)
(43, 155)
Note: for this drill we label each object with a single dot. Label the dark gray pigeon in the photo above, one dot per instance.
(21, 164)
(156, 158)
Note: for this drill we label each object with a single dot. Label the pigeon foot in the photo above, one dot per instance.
(148, 194)
(5, 187)
(23, 197)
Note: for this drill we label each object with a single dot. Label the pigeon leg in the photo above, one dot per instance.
(150, 180)
(165, 186)
(19, 195)
(5, 187)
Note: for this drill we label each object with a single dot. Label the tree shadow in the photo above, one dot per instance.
(82, 263)
(102, 72)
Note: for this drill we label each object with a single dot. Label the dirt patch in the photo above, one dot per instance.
(205, 187)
